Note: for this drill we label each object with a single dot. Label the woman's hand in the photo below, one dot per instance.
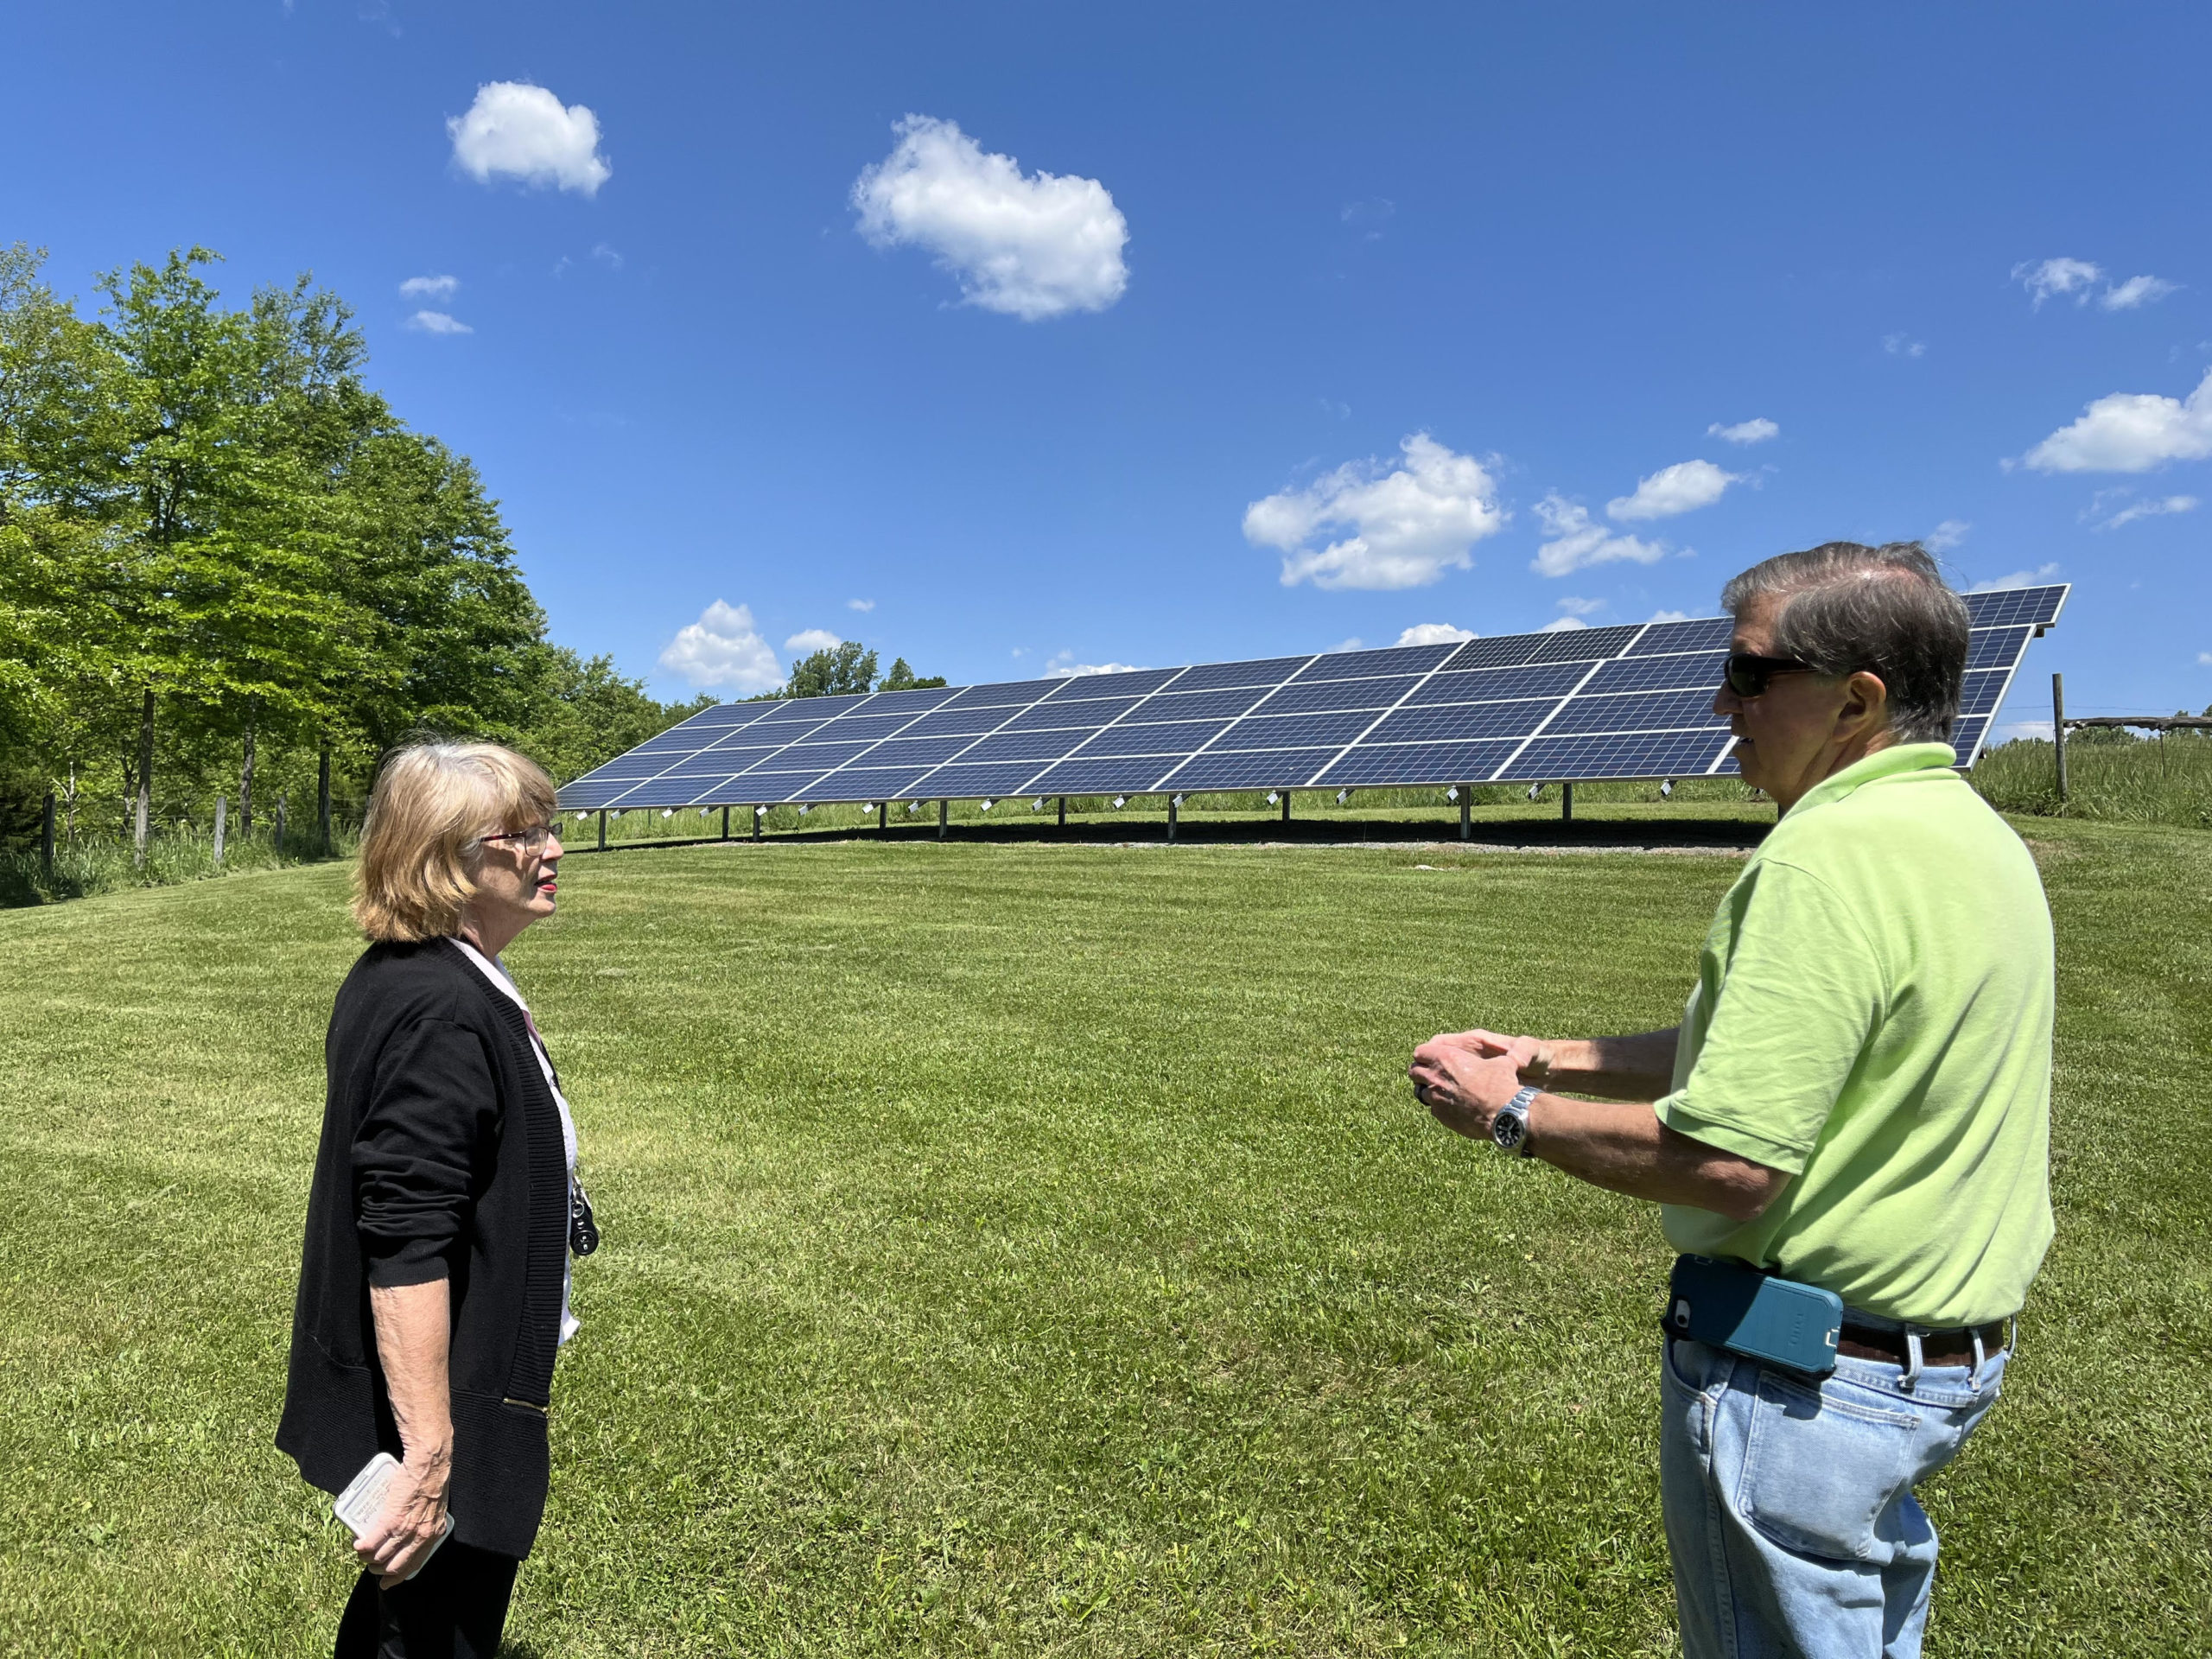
(413, 1323)
(413, 1518)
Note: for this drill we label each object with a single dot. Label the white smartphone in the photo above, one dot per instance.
(363, 1500)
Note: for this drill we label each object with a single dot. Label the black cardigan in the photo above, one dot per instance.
(441, 1158)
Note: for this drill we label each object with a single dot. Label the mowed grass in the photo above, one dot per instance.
(1035, 1249)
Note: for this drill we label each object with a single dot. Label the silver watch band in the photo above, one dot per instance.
(1518, 1107)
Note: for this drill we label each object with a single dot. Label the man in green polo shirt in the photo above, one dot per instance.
(1857, 1098)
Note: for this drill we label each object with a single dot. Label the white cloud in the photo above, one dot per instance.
(437, 322)
(1435, 633)
(2137, 291)
(1033, 247)
(2047, 278)
(1683, 487)
(1903, 345)
(1077, 671)
(1754, 431)
(1563, 625)
(606, 256)
(860, 604)
(429, 288)
(1574, 607)
(2150, 509)
(1353, 644)
(1670, 616)
(2025, 728)
(516, 130)
(2204, 659)
(1576, 543)
(1407, 526)
(723, 648)
(809, 640)
(1946, 536)
(2131, 432)
(2035, 578)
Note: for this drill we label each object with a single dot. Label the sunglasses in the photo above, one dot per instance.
(532, 840)
(1748, 674)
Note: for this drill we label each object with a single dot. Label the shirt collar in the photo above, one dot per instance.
(1898, 760)
(493, 969)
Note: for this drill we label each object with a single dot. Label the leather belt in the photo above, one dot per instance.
(1951, 1347)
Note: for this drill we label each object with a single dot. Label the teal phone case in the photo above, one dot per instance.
(1728, 1305)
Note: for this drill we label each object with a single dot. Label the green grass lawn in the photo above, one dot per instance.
(1035, 1249)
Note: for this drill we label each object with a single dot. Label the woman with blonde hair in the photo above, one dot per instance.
(433, 1285)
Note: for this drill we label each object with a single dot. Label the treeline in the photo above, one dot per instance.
(843, 669)
(227, 566)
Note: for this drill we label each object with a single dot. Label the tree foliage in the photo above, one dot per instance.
(216, 538)
(843, 669)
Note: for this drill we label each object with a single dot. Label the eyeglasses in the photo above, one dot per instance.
(532, 840)
(1748, 673)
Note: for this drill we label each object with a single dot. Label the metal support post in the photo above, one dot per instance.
(725, 824)
(46, 834)
(883, 817)
(1172, 803)
(1063, 812)
(1286, 807)
(1466, 825)
(943, 817)
(1566, 803)
(602, 829)
(2058, 729)
(221, 813)
(760, 817)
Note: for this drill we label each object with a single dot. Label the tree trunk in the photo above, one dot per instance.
(245, 775)
(145, 774)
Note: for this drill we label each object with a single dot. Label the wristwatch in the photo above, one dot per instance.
(1510, 1128)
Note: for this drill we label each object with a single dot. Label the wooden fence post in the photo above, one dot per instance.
(2058, 729)
(222, 813)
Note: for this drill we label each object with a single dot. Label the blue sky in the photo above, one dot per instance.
(1178, 333)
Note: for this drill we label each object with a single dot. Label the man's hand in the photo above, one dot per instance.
(1531, 1056)
(412, 1520)
(1463, 1078)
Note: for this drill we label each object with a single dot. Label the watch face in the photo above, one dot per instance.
(1509, 1129)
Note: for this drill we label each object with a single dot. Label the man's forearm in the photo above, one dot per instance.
(1637, 1068)
(414, 1332)
(1626, 1148)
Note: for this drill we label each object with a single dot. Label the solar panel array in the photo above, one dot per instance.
(1629, 701)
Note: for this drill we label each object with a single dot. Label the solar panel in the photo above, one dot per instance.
(1633, 701)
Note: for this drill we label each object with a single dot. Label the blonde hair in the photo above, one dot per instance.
(432, 803)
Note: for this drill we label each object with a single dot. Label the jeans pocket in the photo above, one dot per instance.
(1820, 1471)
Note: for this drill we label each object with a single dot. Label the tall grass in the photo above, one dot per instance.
(2130, 780)
(179, 853)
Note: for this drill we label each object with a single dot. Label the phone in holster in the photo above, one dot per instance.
(1734, 1305)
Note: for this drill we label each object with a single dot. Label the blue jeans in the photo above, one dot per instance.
(1789, 1509)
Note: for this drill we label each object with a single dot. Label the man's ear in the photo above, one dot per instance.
(1866, 705)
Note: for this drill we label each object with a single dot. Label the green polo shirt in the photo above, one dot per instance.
(1872, 1013)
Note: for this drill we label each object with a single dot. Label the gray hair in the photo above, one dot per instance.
(1844, 607)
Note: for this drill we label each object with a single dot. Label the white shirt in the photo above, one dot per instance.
(495, 970)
